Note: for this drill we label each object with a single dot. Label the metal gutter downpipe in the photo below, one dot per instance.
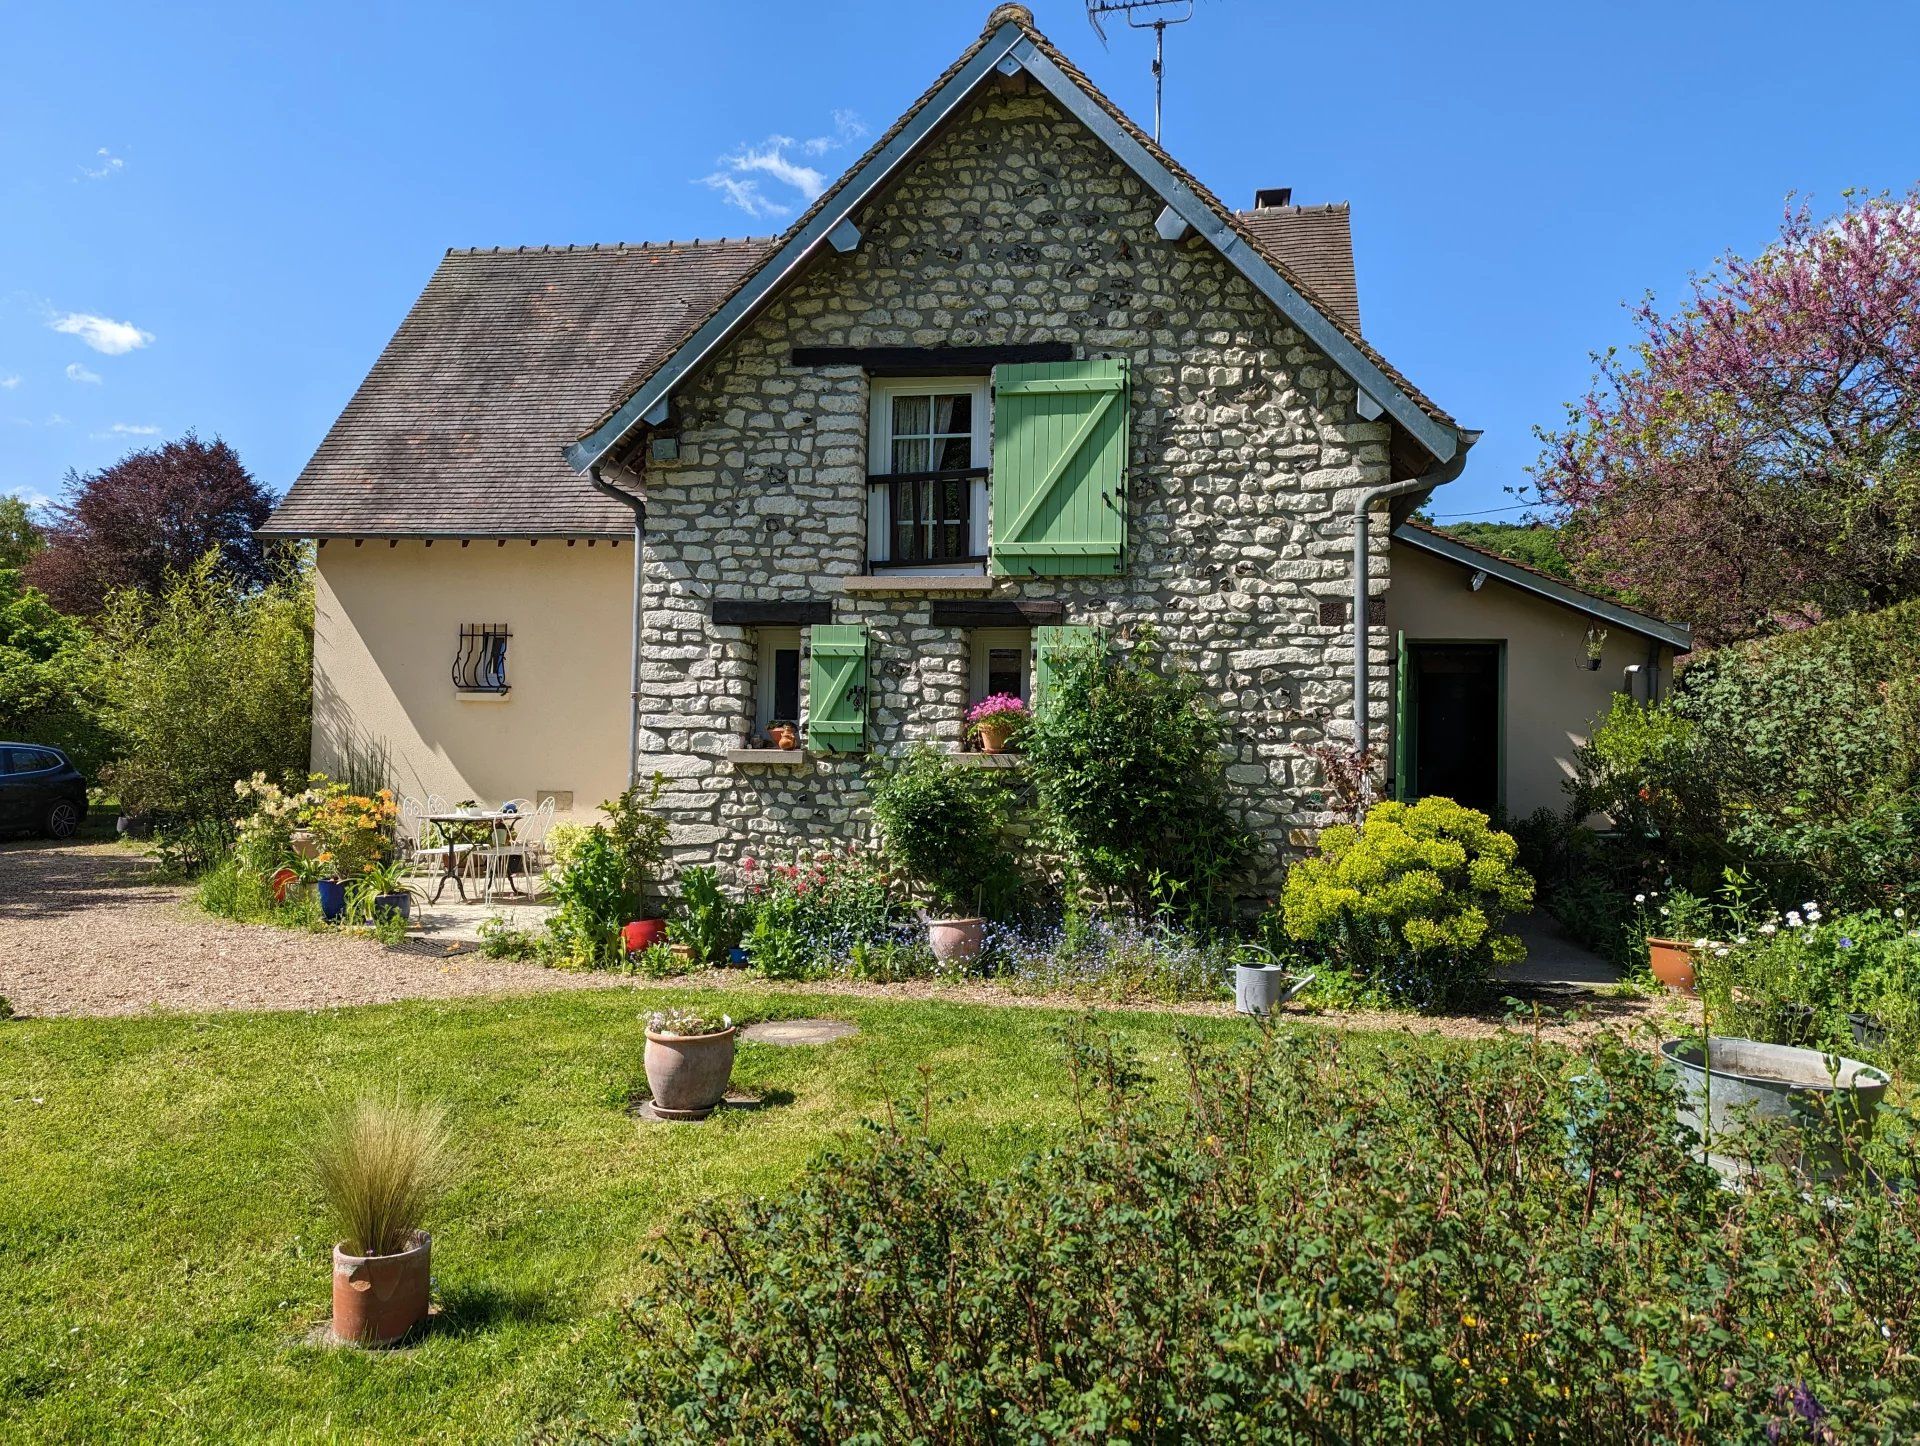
(1362, 589)
(639, 507)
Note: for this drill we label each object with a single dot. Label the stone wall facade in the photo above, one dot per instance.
(1015, 225)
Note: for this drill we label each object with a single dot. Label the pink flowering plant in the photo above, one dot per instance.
(999, 711)
(820, 911)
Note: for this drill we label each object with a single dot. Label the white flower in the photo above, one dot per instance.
(1899, 913)
(1810, 906)
(1813, 917)
(1741, 940)
(1769, 928)
(1793, 919)
(1721, 952)
(1701, 943)
(1642, 898)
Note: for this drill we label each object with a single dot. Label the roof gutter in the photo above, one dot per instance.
(1363, 505)
(639, 509)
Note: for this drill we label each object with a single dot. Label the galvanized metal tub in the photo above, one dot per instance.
(1828, 1101)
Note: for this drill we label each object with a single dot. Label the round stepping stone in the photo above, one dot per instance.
(798, 1031)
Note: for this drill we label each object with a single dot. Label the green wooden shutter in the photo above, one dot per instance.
(1402, 742)
(837, 688)
(1059, 469)
(1047, 642)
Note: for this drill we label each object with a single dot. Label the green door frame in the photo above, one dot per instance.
(1406, 736)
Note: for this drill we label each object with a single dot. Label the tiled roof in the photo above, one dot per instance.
(457, 430)
(1315, 244)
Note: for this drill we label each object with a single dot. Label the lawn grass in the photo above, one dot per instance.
(169, 1262)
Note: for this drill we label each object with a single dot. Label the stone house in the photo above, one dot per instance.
(612, 509)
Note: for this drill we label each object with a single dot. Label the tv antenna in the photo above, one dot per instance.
(1154, 15)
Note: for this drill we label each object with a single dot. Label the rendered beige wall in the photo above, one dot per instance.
(1551, 702)
(386, 626)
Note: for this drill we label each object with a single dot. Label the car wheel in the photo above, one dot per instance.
(62, 819)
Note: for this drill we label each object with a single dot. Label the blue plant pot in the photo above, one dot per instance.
(333, 900)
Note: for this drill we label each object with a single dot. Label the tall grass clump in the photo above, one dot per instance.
(381, 1163)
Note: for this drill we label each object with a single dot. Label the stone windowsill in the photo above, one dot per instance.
(468, 695)
(916, 582)
(767, 757)
(974, 758)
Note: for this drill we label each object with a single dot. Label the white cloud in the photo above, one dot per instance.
(78, 373)
(128, 429)
(33, 497)
(7, 384)
(103, 334)
(106, 164)
(765, 180)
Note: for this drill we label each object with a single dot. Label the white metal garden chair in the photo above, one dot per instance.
(508, 848)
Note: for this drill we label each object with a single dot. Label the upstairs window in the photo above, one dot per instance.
(480, 662)
(928, 447)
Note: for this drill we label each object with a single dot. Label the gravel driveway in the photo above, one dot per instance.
(85, 930)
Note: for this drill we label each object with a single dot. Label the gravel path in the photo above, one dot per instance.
(85, 930)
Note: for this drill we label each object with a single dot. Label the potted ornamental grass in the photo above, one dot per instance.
(689, 1062)
(942, 825)
(996, 720)
(382, 892)
(381, 1163)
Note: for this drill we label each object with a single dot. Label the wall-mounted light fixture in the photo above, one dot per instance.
(1478, 580)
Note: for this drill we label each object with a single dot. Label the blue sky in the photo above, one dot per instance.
(214, 215)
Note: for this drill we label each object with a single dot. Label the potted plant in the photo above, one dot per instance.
(352, 831)
(995, 720)
(1596, 648)
(383, 890)
(380, 1164)
(689, 1062)
(942, 826)
(1673, 952)
(783, 735)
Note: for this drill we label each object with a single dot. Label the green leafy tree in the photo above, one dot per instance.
(1128, 762)
(49, 688)
(20, 539)
(1536, 544)
(207, 683)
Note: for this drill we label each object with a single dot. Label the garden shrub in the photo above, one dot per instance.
(206, 684)
(943, 826)
(709, 922)
(1128, 761)
(1797, 757)
(1406, 908)
(1096, 958)
(602, 878)
(1298, 1240)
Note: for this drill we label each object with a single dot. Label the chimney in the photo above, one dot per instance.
(1270, 196)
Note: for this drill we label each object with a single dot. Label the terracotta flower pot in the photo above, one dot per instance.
(1673, 965)
(993, 735)
(377, 1299)
(688, 1073)
(957, 940)
(783, 736)
(643, 934)
(282, 883)
(682, 952)
(305, 844)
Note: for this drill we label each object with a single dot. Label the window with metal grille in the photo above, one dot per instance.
(480, 665)
(928, 474)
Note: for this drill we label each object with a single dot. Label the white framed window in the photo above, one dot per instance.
(928, 444)
(776, 695)
(1002, 663)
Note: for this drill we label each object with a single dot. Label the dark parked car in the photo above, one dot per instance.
(40, 790)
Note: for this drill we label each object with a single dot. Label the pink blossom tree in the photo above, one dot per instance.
(1753, 462)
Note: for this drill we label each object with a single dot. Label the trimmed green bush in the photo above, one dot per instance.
(1406, 908)
(942, 824)
(1313, 1242)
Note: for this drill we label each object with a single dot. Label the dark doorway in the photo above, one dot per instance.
(1454, 699)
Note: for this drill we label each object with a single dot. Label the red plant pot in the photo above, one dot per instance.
(643, 934)
(283, 879)
(1673, 964)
